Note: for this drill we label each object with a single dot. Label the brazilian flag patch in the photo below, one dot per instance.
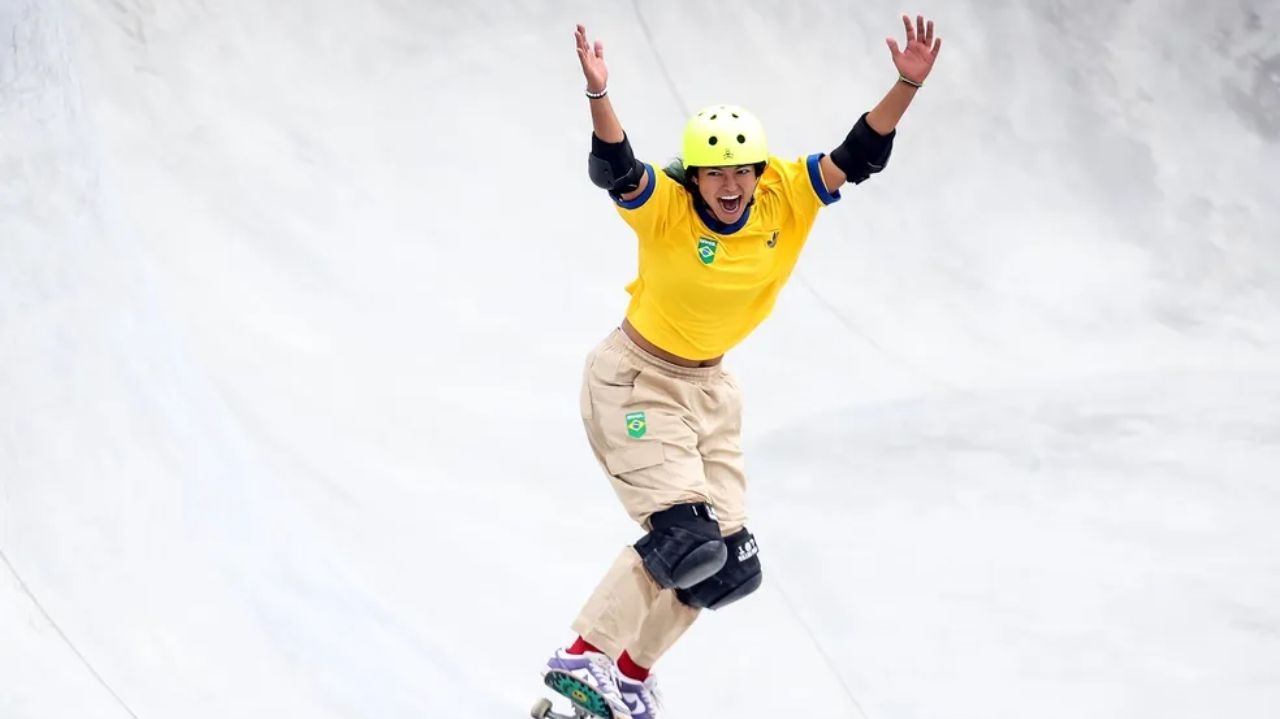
(636, 425)
(707, 250)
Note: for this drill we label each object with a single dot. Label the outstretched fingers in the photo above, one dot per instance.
(920, 31)
(585, 49)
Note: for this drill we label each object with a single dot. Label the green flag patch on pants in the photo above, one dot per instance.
(636, 426)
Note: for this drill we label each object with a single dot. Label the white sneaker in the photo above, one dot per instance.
(567, 674)
(642, 698)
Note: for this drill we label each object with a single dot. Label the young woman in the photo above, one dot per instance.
(719, 233)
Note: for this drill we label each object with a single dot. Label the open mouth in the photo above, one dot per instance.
(730, 205)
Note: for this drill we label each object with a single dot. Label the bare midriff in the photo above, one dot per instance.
(662, 354)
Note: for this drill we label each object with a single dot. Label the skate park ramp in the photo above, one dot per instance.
(294, 299)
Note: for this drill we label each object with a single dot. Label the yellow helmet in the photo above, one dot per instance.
(724, 135)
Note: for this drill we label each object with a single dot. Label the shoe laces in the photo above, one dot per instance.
(604, 672)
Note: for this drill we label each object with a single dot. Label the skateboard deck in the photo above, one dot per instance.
(587, 702)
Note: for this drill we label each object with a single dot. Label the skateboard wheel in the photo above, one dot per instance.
(541, 709)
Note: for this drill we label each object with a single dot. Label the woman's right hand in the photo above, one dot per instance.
(592, 60)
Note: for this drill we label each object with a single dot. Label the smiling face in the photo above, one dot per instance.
(727, 190)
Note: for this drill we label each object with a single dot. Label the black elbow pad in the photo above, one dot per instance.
(613, 166)
(864, 151)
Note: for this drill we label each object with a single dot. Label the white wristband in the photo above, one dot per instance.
(597, 95)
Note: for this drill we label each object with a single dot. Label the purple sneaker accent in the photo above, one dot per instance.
(642, 698)
(596, 671)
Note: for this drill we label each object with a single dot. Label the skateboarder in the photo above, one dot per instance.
(719, 232)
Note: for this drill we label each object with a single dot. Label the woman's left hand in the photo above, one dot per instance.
(915, 62)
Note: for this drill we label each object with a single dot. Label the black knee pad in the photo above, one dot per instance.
(740, 576)
(683, 547)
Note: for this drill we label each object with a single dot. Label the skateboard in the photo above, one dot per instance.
(587, 702)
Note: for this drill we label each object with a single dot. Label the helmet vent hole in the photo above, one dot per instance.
(712, 140)
(713, 117)
(735, 115)
(742, 140)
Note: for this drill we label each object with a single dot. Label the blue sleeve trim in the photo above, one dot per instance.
(815, 179)
(643, 197)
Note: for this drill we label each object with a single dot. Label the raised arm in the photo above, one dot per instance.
(612, 165)
(866, 149)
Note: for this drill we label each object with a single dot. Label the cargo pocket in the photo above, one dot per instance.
(607, 384)
(635, 456)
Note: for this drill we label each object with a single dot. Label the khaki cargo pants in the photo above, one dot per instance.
(665, 435)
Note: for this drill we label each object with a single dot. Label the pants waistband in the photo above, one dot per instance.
(620, 341)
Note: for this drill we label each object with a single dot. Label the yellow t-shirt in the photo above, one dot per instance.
(704, 286)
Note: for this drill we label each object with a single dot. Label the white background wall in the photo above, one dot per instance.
(294, 299)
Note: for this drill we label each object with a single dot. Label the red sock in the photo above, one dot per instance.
(630, 669)
(582, 647)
